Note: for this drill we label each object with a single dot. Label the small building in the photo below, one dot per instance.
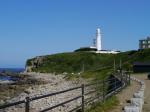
(144, 43)
(141, 67)
(108, 51)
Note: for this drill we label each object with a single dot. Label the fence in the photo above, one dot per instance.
(101, 90)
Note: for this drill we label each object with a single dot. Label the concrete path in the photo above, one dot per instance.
(124, 95)
(127, 93)
(146, 106)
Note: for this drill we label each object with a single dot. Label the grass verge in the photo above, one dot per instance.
(109, 104)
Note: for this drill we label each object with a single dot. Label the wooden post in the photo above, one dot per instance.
(27, 104)
(122, 81)
(129, 78)
(114, 66)
(103, 90)
(126, 79)
(115, 84)
(82, 97)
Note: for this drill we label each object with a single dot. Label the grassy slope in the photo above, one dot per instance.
(73, 62)
(93, 64)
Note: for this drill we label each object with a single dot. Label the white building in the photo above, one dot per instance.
(98, 44)
(98, 40)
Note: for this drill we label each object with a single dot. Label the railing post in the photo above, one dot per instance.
(103, 90)
(27, 104)
(98, 88)
(125, 79)
(121, 81)
(82, 97)
(115, 84)
(129, 78)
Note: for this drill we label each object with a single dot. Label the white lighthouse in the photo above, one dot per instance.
(97, 45)
(98, 39)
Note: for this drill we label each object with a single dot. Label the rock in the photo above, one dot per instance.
(29, 90)
(131, 109)
(2, 102)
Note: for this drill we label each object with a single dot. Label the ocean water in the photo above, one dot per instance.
(3, 78)
(11, 70)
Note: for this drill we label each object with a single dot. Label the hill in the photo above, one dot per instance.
(77, 62)
(69, 62)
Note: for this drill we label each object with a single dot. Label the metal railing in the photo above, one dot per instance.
(101, 90)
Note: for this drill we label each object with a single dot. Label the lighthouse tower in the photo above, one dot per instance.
(98, 39)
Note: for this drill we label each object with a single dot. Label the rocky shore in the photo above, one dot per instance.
(53, 83)
(15, 84)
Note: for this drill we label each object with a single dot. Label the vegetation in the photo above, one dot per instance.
(104, 107)
(87, 64)
(86, 49)
(72, 62)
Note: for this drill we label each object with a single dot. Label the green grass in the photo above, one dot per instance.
(97, 74)
(110, 103)
(90, 63)
(71, 62)
(94, 74)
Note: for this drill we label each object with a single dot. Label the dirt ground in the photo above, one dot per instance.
(127, 93)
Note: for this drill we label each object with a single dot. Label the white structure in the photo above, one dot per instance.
(98, 39)
(97, 45)
(108, 52)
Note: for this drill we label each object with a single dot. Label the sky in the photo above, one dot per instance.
(30, 28)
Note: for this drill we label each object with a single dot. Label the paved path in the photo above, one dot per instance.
(125, 95)
(146, 106)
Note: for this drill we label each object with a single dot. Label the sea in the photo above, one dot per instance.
(10, 70)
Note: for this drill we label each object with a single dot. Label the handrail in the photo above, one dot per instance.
(12, 104)
(61, 104)
(51, 94)
(78, 107)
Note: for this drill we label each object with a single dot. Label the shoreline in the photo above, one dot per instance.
(53, 83)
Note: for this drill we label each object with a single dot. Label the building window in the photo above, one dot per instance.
(143, 42)
(149, 41)
(143, 46)
(148, 46)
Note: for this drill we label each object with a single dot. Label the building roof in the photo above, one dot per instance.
(148, 38)
(141, 63)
